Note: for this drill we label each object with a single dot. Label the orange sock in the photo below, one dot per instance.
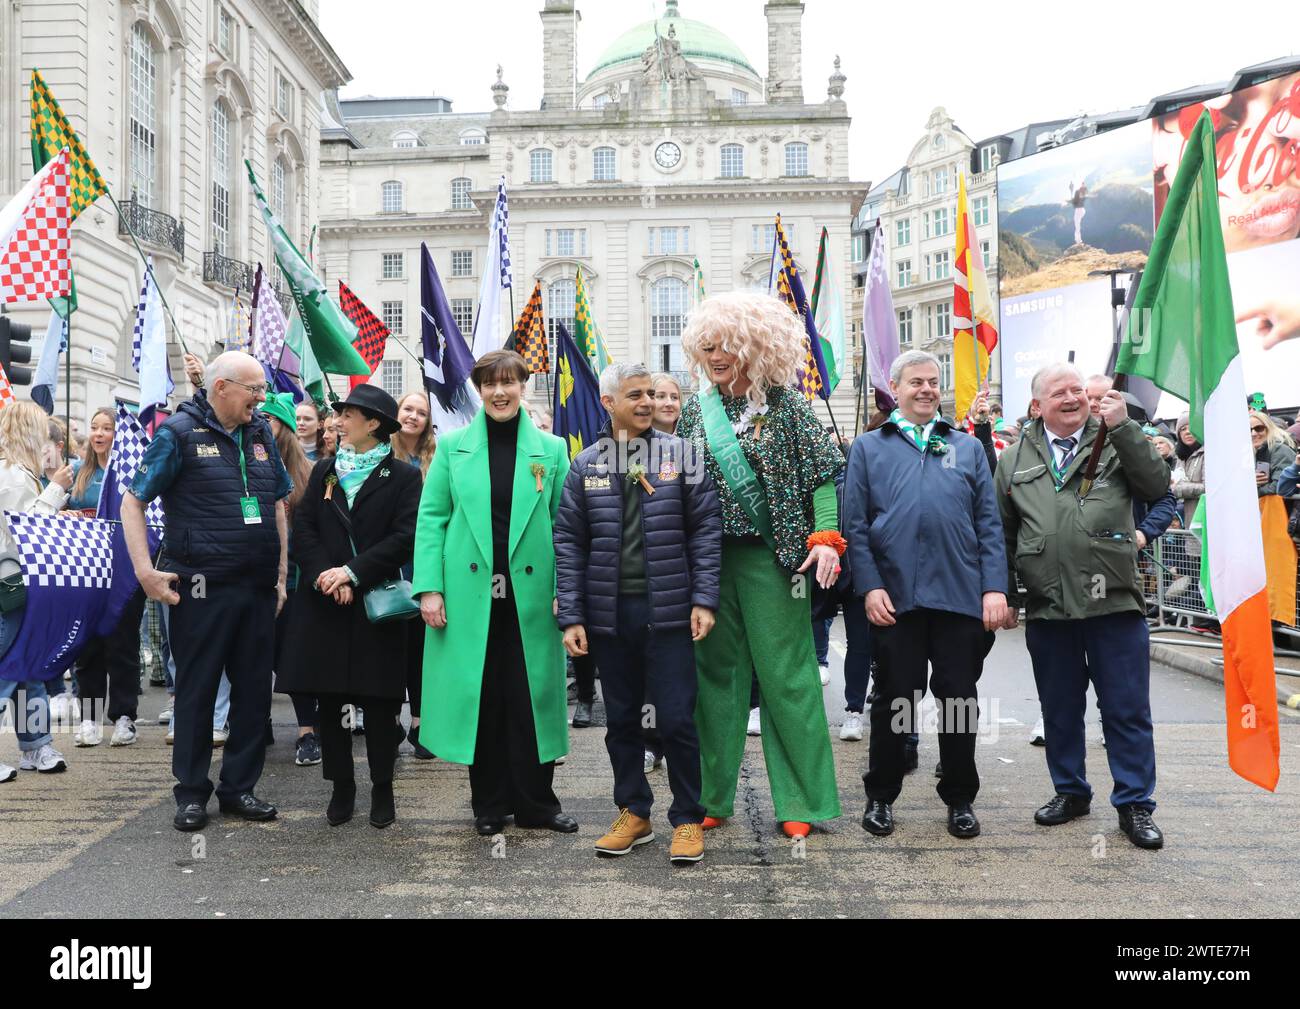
(793, 828)
(714, 821)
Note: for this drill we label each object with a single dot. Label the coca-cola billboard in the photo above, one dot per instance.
(1257, 145)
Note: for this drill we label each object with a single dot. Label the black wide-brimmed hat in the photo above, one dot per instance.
(374, 402)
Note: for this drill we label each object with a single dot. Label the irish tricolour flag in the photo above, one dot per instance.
(1182, 337)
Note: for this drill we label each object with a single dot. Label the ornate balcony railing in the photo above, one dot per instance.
(285, 298)
(152, 226)
(218, 269)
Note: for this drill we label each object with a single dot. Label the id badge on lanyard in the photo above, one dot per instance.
(248, 504)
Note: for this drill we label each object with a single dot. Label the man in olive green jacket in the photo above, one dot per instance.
(1077, 560)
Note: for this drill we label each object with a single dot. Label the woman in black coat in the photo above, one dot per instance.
(365, 497)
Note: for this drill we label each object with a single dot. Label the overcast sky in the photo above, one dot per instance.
(994, 65)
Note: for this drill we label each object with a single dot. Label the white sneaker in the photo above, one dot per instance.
(652, 762)
(753, 728)
(90, 734)
(825, 674)
(123, 733)
(166, 717)
(560, 760)
(7, 773)
(851, 730)
(1038, 737)
(219, 737)
(47, 760)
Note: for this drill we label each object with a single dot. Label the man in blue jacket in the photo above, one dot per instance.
(638, 555)
(927, 549)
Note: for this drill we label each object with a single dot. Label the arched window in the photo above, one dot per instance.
(539, 166)
(220, 178)
(472, 137)
(390, 198)
(669, 303)
(460, 195)
(604, 164)
(142, 116)
(282, 193)
(559, 306)
(796, 159)
(733, 161)
(405, 138)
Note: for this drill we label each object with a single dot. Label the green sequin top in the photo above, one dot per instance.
(792, 457)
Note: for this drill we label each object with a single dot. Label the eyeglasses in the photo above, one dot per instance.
(256, 390)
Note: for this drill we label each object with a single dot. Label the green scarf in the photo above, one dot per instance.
(353, 469)
(920, 435)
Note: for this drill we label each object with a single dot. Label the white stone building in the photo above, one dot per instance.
(170, 97)
(670, 147)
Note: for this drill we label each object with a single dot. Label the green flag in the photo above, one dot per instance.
(586, 334)
(329, 332)
(313, 381)
(828, 313)
(699, 281)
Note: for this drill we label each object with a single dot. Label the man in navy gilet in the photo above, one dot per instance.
(222, 571)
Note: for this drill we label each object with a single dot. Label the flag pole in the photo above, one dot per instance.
(67, 382)
(147, 268)
(862, 384)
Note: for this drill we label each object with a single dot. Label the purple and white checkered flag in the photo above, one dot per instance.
(79, 578)
(129, 442)
(63, 552)
(269, 327)
(501, 222)
(137, 331)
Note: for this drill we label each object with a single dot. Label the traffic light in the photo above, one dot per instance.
(15, 350)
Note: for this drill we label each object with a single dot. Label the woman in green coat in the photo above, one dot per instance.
(494, 680)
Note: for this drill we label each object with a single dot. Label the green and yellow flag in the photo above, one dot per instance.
(586, 334)
(51, 132)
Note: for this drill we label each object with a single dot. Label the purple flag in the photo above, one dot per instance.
(879, 323)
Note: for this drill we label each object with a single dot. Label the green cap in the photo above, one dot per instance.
(280, 405)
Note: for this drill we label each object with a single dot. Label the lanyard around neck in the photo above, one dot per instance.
(243, 466)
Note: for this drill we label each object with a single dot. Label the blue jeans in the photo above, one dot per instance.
(822, 640)
(31, 708)
(221, 713)
(857, 662)
(1113, 652)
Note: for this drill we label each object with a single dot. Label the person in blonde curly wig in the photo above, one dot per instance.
(779, 521)
(764, 337)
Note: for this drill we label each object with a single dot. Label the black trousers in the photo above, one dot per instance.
(229, 628)
(647, 676)
(382, 734)
(414, 665)
(584, 677)
(109, 668)
(953, 646)
(506, 777)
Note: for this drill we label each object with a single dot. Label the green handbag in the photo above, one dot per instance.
(391, 601)
(388, 601)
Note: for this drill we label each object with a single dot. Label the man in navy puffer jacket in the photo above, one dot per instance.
(638, 553)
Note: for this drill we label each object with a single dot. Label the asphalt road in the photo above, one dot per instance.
(97, 841)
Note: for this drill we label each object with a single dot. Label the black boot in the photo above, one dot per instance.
(342, 803)
(421, 752)
(382, 812)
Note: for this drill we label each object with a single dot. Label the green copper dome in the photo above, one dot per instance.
(698, 41)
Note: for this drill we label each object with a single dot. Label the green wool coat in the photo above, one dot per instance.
(453, 555)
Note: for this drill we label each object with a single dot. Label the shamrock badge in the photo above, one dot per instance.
(538, 471)
(936, 445)
(636, 474)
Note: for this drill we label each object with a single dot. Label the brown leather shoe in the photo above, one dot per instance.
(626, 833)
(688, 844)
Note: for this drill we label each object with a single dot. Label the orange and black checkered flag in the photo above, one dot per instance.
(529, 337)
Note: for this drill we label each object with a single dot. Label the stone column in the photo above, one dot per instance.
(559, 53)
(784, 52)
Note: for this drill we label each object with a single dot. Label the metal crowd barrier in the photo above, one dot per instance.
(1171, 575)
